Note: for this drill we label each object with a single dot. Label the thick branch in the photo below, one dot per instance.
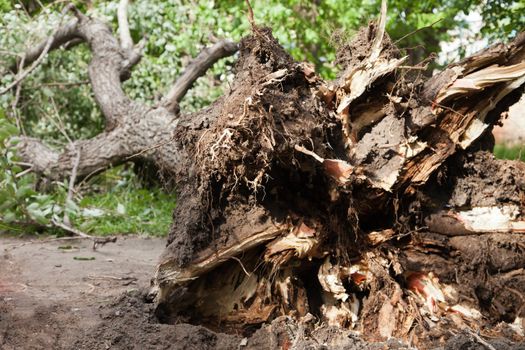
(196, 69)
(142, 129)
(96, 155)
(105, 69)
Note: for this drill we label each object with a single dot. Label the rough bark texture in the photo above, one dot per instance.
(198, 67)
(366, 203)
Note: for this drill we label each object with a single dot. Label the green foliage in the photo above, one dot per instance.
(5, 5)
(56, 95)
(510, 152)
(502, 18)
(118, 203)
(114, 203)
(19, 202)
(177, 30)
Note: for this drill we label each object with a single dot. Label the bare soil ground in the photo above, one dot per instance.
(64, 295)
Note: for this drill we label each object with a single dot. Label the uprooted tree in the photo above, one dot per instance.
(370, 201)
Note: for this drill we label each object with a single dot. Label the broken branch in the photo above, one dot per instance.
(63, 36)
(96, 240)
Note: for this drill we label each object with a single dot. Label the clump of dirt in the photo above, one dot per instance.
(49, 327)
(129, 323)
(235, 161)
(486, 266)
(467, 341)
(286, 333)
(483, 181)
(352, 53)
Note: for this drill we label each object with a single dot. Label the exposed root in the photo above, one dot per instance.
(382, 224)
(222, 142)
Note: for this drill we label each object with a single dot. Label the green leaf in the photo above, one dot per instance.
(38, 216)
(9, 217)
(24, 192)
(7, 204)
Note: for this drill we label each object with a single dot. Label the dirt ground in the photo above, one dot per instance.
(64, 295)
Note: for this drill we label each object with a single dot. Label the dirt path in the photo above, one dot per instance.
(64, 295)
(49, 293)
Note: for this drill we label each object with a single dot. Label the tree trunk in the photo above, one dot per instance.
(369, 202)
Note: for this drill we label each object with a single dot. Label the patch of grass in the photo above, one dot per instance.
(126, 209)
(510, 152)
(114, 202)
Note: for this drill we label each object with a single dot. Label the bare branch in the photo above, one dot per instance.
(32, 151)
(153, 130)
(71, 186)
(196, 69)
(133, 57)
(250, 14)
(71, 229)
(96, 240)
(418, 30)
(15, 100)
(96, 154)
(126, 43)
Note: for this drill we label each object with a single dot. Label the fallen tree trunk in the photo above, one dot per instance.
(369, 202)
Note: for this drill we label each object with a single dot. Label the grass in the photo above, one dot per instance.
(126, 210)
(510, 152)
(115, 202)
(119, 204)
